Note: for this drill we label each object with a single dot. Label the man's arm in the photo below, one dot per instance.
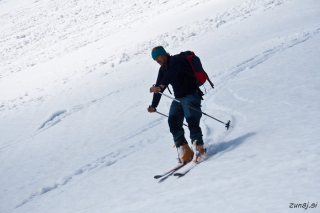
(155, 89)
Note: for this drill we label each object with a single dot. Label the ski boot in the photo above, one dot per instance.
(200, 152)
(185, 154)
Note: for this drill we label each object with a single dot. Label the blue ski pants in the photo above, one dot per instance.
(180, 111)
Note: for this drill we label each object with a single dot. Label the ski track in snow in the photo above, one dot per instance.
(62, 114)
(58, 116)
(143, 129)
(226, 77)
(236, 96)
(105, 161)
(237, 117)
(53, 120)
(287, 42)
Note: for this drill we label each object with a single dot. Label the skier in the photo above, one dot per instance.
(179, 74)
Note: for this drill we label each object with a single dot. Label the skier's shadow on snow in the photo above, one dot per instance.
(214, 149)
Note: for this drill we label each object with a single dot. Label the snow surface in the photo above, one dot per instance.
(75, 135)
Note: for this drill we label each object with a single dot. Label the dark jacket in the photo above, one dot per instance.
(179, 74)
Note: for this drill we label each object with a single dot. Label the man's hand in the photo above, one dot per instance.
(151, 109)
(156, 89)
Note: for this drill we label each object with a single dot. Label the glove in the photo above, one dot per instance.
(151, 109)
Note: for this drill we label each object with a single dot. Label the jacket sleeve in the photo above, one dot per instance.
(157, 97)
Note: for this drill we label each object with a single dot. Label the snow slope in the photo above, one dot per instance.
(75, 133)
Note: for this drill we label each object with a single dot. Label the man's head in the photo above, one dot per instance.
(160, 55)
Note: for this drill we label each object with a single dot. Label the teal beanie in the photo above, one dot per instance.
(158, 52)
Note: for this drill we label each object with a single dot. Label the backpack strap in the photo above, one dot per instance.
(169, 90)
(208, 79)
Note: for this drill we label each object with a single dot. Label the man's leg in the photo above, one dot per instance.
(193, 117)
(176, 117)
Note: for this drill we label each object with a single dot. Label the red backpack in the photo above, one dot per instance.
(195, 63)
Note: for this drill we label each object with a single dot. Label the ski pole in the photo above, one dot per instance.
(168, 117)
(227, 124)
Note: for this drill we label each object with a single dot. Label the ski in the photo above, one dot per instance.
(171, 171)
(190, 166)
(187, 170)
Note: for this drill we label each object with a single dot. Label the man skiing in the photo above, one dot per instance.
(178, 72)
